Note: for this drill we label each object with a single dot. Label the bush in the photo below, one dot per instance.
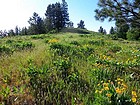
(23, 45)
(133, 34)
(75, 43)
(115, 49)
(5, 49)
(114, 37)
(9, 41)
(97, 42)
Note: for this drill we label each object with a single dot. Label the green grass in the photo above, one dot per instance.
(69, 69)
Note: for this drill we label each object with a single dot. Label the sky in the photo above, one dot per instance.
(17, 12)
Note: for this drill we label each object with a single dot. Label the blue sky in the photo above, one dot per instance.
(17, 12)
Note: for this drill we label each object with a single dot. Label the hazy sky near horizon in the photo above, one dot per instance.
(17, 12)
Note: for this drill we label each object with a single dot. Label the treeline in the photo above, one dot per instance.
(56, 18)
(125, 13)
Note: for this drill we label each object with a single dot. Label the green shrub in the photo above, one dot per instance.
(97, 42)
(5, 49)
(21, 45)
(9, 41)
(115, 49)
(114, 37)
(75, 43)
(46, 40)
(38, 36)
(133, 34)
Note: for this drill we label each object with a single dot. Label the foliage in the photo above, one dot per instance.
(122, 29)
(112, 30)
(114, 37)
(24, 31)
(39, 36)
(11, 32)
(125, 13)
(116, 10)
(81, 24)
(5, 50)
(76, 30)
(57, 16)
(133, 34)
(11, 46)
(115, 49)
(36, 24)
(101, 30)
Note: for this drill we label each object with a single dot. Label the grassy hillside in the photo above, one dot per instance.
(69, 69)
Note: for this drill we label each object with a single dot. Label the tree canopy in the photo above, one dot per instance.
(57, 16)
(36, 24)
(126, 10)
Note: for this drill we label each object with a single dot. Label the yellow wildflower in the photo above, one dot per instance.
(98, 84)
(134, 94)
(134, 99)
(100, 91)
(119, 83)
(106, 88)
(108, 95)
(118, 79)
(96, 91)
(118, 90)
(105, 84)
(124, 85)
(53, 41)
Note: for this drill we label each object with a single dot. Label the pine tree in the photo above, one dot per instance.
(101, 30)
(126, 14)
(81, 24)
(36, 24)
(127, 10)
(104, 32)
(16, 30)
(11, 32)
(112, 31)
(57, 16)
(70, 24)
(65, 14)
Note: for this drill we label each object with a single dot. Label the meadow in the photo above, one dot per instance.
(69, 69)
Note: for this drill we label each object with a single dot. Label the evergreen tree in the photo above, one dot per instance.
(11, 32)
(104, 32)
(49, 21)
(16, 30)
(65, 14)
(36, 24)
(57, 16)
(127, 10)
(126, 14)
(122, 31)
(81, 24)
(70, 24)
(101, 30)
(24, 31)
(112, 30)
